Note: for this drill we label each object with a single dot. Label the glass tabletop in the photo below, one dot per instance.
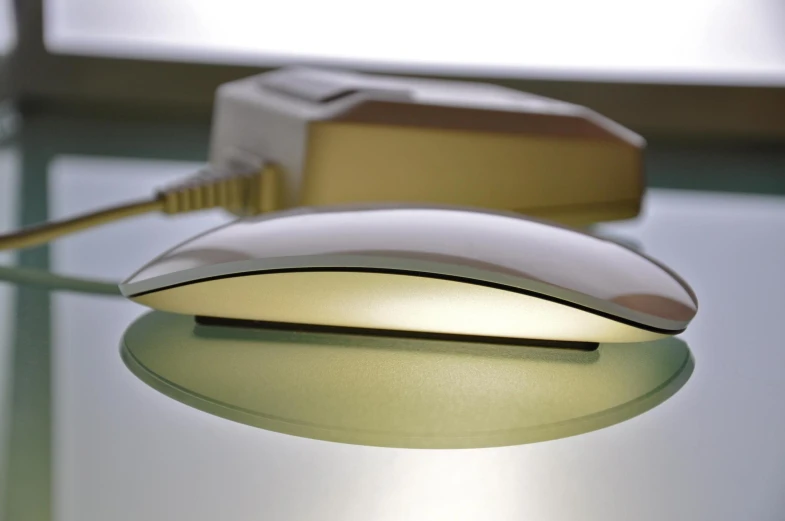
(84, 439)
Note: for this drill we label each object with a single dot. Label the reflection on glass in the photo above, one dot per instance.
(45, 279)
(8, 196)
(7, 299)
(401, 393)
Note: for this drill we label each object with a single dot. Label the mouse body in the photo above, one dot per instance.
(420, 271)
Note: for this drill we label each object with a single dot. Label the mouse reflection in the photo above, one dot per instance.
(399, 392)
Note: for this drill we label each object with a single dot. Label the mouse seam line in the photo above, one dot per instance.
(455, 278)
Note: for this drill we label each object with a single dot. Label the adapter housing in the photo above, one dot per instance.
(341, 137)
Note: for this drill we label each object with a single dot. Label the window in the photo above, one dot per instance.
(702, 41)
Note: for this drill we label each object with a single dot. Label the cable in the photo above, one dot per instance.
(242, 193)
(51, 281)
(42, 233)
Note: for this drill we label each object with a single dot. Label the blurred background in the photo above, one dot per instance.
(673, 68)
(702, 80)
(104, 100)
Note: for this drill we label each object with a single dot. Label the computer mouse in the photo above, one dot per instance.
(442, 272)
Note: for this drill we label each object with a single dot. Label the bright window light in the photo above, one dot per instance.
(670, 40)
(7, 27)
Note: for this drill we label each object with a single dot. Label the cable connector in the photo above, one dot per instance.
(252, 190)
(245, 193)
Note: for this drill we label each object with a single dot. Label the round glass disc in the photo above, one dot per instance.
(401, 392)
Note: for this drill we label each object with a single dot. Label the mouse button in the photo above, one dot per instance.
(446, 258)
(184, 259)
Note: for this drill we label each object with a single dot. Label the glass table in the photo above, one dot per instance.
(83, 439)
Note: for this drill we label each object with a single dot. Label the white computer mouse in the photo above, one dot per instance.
(418, 271)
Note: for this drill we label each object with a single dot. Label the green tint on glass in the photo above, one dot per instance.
(401, 393)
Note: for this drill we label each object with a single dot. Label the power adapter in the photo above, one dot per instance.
(343, 137)
(312, 137)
